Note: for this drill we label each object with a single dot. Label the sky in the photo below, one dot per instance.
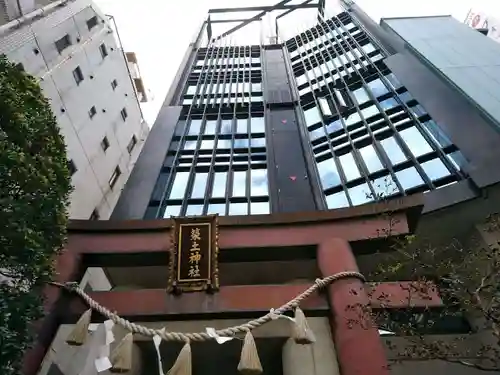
(159, 31)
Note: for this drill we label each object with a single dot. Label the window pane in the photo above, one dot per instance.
(335, 125)
(171, 211)
(238, 209)
(219, 187)
(191, 90)
(258, 183)
(435, 169)
(194, 209)
(360, 194)
(328, 174)
(219, 208)
(224, 144)
(301, 79)
(179, 185)
(377, 87)
(361, 95)
(368, 48)
(415, 141)
(200, 183)
(349, 166)
(242, 126)
(315, 134)
(337, 200)
(226, 126)
(352, 119)
(194, 127)
(393, 150)
(257, 125)
(384, 187)
(435, 131)
(207, 144)
(458, 160)
(409, 178)
(371, 159)
(370, 111)
(325, 107)
(256, 87)
(389, 103)
(190, 145)
(241, 143)
(312, 116)
(239, 183)
(258, 142)
(259, 208)
(210, 126)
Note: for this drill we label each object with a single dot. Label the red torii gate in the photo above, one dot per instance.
(359, 350)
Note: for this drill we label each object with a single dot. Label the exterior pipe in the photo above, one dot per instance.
(30, 16)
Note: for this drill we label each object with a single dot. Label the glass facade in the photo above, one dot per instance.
(369, 137)
(217, 160)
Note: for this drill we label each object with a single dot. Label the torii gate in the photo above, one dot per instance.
(336, 234)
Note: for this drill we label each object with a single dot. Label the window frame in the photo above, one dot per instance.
(114, 177)
(63, 43)
(78, 75)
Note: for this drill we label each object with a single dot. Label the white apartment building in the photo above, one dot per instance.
(70, 46)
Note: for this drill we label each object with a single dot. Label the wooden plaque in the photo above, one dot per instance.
(193, 259)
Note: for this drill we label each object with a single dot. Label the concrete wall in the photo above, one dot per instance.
(463, 56)
(33, 46)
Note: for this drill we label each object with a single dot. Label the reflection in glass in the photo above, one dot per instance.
(371, 159)
(312, 116)
(458, 160)
(194, 127)
(238, 209)
(191, 90)
(210, 126)
(190, 145)
(258, 182)
(259, 208)
(437, 134)
(258, 142)
(218, 208)
(409, 178)
(256, 87)
(370, 111)
(207, 144)
(239, 183)
(200, 183)
(325, 107)
(242, 126)
(352, 119)
(257, 125)
(393, 150)
(337, 200)
(328, 174)
(384, 187)
(224, 143)
(415, 141)
(171, 211)
(315, 134)
(349, 166)
(301, 79)
(405, 96)
(187, 102)
(194, 210)
(393, 80)
(360, 194)
(377, 87)
(389, 103)
(226, 126)
(241, 143)
(219, 185)
(368, 48)
(361, 95)
(179, 185)
(435, 169)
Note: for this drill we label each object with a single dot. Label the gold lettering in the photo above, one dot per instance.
(195, 257)
(194, 271)
(195, 234)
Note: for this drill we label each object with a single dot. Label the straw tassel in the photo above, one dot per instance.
(302, 334)
(249, 361)
(182, 365)
(81, 329)
(121, 358)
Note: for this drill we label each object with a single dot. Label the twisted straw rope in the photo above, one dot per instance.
(203, 336)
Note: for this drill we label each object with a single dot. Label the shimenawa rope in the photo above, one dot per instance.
(203, 336)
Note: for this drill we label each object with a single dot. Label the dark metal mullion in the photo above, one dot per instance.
(249, 123)
(340, 168)
(173, 170)
(378, 149)
(192, 169)
(208, 187)
(334, 157)
(397, 136)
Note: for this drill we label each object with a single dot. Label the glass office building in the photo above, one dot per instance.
(321, 119)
